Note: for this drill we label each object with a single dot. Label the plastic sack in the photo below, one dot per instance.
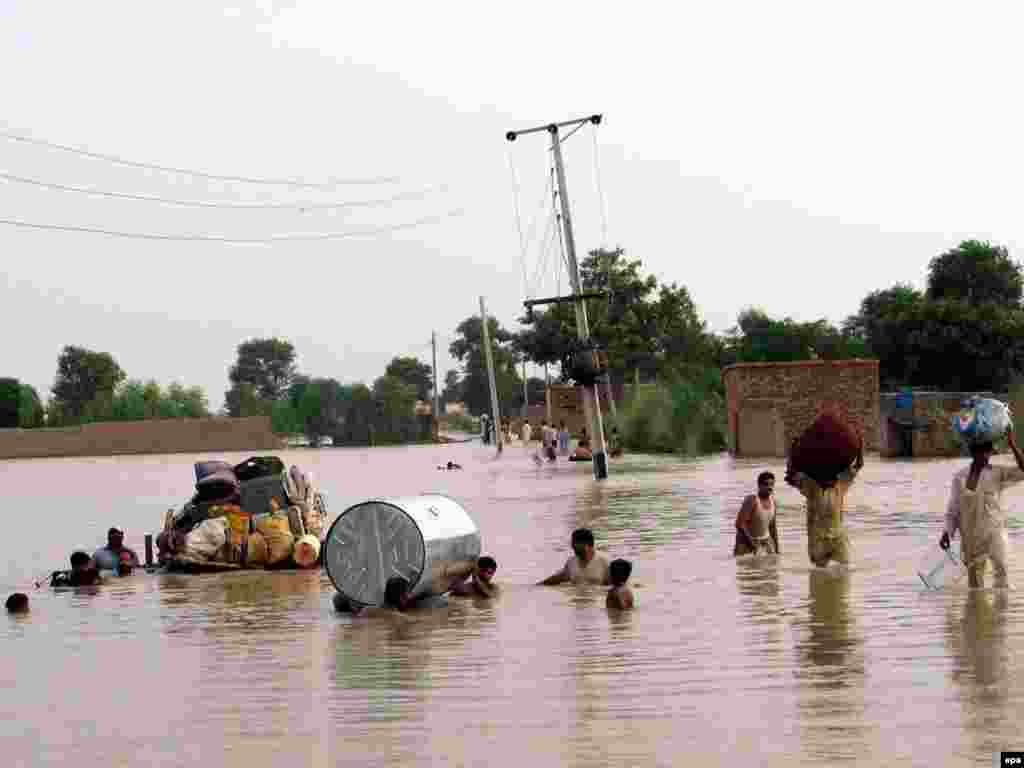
(941, 568)
(982, 419)
(204, 541)
(307, 551)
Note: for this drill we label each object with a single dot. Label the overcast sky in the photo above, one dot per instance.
(788, 155)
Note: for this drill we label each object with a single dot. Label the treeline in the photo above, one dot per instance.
(265, 381)
(90, 386)
(964, 332)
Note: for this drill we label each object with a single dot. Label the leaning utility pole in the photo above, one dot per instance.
(437, 397)
(496, 417)
(591, 399)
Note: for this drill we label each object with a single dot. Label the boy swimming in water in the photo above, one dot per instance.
(481, 581)
(620, 596)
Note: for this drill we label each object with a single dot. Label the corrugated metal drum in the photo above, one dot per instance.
(426, 539)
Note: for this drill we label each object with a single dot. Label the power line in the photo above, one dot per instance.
(307, 206)
(333, 182)
(237, 240)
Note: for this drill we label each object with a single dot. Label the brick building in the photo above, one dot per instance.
(769, 404)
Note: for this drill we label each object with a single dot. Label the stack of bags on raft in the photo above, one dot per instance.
(982, 420)
(825, 449)
(253, 515)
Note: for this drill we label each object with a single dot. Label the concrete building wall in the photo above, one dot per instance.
(151, 436)
(769, 404)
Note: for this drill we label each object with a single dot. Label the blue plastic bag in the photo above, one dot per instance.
(982, 419)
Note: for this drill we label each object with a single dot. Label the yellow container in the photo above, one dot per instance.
(275, 521)
(257, 554)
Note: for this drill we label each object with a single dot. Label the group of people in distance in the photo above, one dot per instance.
(975, 509)
(585, 566)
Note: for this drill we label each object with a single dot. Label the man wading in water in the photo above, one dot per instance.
(976, 509)
(756, 532)
(827, 538)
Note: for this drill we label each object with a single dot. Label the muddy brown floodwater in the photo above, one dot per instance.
(723, 662)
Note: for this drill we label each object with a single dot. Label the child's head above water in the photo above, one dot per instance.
(618, 572)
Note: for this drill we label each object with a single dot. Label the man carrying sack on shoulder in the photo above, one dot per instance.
(976, 508)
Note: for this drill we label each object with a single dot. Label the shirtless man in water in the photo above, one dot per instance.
(481, 581)
(585, 566)
(756, 531)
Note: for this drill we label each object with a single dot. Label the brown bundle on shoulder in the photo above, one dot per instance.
(825, 449)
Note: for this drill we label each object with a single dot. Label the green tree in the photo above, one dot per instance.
(31, 413)
(284, 419)
(880, 324)
(760, 338)
(412, 371)
(646, 329)
(242, 400)
(130, 402)
(359, 416)
(10, 403)
(468, 349)
(452, 392)
(975, 271)
(536, 389)
(396, 416)
(959, 345)
(85, 383)
(268, 366)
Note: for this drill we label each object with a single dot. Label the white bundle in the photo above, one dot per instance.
(206, 539)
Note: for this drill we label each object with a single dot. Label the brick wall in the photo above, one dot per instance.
(787, 397)
(152, 436)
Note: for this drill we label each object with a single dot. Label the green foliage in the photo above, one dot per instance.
(965, 334)
(685, 415)
(396, 418)
(284, 418)
(642, 326)
(135, 401)
(10, 402)
(468, 349)
(759, 338)
(85, 384)
(976, 272)
(263, 371)
(31, 413)
(412, 371)
(462, 422)
(536, 390)
(452, 392)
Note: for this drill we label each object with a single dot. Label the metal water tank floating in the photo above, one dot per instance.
(427, 539)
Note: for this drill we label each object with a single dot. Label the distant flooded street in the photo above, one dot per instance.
(723, 661)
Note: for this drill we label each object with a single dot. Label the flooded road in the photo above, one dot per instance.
(768, 662)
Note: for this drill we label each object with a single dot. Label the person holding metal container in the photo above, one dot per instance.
(975, 508)
(481, 582)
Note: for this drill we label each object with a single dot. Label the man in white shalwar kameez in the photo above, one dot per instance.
(976, 509)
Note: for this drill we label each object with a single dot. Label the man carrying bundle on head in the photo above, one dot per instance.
(975, 505)
(823, 464)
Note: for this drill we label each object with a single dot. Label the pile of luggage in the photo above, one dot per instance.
(256, 514)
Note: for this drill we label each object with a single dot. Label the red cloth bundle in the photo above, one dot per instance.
(826, 448)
